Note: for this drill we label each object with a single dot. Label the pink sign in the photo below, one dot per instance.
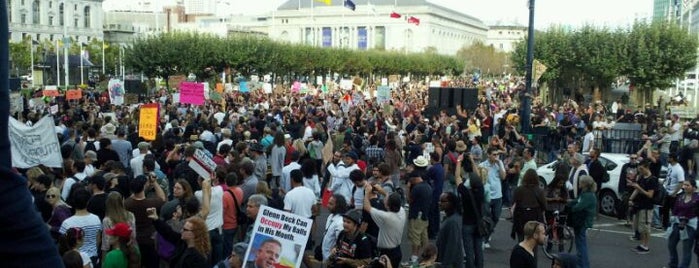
(192, 93)
(295, 87)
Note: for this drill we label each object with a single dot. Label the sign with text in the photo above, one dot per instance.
(131, 98)
(281, 232)
(74, 94)
(202, 163)
(16, 103)
(219, 87)
(50, 91)
(116, 91)
(30, 146)
(148, 121)
(383, 94)
(192, 93)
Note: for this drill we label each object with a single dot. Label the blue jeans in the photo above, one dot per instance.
(228, 241)
(216, 246)
(495, 211)
(581, 248)
(473, 247)
(687, 245)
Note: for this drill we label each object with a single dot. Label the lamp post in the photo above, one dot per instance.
(31, 54)
(526, 100)
(66, 42)
(82, 81)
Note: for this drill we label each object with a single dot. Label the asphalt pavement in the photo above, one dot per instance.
(608, 245)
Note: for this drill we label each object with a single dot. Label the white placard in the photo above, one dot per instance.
(31, 146)
(282, 232)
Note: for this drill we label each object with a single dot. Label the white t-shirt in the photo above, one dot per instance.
(285, 181)
(215, 218)
(588, 141)
(677, 135)
(299, 201)
(391, 226)
(358, 196)
(91, 226)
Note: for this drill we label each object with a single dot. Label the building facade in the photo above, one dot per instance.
(504, 37)
(46, 19)
(200, 7)
(422, 26)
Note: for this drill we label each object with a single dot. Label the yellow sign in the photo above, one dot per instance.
(539, 70)
(148, 121)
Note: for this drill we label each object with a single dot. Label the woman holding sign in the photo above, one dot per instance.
(192, 245)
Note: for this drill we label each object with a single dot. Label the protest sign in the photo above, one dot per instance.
(267, 87)
(148, 121)
(282, 232)
(296, 87)
(219, 87)
(54, 109)
(131, 98)
(383, 94)
(207, 90)
(384, 81)
(243, 87)
(31, 146)
(346, 84)
(116, 91)
(175, 97)
(37, 103)
(74, 94)
(192, 93)
(202, 163)
(16, 103)
(228, 87)
(50, 91)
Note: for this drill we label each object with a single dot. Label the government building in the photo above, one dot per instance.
(45, 19)
(404, 26)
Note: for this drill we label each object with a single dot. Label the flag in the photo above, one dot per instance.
(539, 69)
(327, 2)
(349, 4)
(414, 20)
(395, 15)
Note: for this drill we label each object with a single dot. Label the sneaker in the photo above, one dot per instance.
(486, 245)
(634, 238)
(641, 250)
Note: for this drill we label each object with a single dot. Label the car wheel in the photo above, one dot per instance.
(607, 203)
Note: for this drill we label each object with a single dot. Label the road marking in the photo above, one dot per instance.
(660, 234)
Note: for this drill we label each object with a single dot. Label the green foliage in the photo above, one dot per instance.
(205, 55)
(484, 58)
(651, 55)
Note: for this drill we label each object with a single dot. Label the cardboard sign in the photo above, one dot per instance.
(219, 87)
(74, 94)
(192, 93)
(202, 163)
(50, 91)
(383, 94)
(54, 109)
(283, 232)
(148, 121)
(130, 98)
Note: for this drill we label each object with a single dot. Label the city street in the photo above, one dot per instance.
(608, 242)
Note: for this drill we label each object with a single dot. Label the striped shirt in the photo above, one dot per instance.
(91, 226)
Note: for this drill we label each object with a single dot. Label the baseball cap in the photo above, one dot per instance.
(120, 230)
(354, 215)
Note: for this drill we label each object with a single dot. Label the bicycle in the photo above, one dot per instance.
(560, 236)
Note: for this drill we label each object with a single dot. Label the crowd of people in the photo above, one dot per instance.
(379, 169)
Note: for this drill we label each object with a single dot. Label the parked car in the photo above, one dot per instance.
(609, 192)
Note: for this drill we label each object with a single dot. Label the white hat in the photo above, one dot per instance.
(421, 161)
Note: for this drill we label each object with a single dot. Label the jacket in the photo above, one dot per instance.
(184, 256)
(584, 209)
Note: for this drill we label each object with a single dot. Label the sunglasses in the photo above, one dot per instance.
(185, 229)
(50, 196)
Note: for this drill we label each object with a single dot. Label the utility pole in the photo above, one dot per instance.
(526, 97)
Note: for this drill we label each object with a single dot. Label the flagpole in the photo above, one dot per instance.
(103, 67)
(82, 81)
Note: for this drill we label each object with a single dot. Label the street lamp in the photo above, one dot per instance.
(82, 54)
(31, 53)
(526, 101)
(66, 42)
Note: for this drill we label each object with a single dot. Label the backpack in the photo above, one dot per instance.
(398, 190)
(90, 146)
(240, 215)
(76, 185)
(659, 194)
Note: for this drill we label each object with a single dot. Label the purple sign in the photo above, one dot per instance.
(327, 37)
(361, 43)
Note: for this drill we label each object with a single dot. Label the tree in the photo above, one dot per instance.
(657, 54)
(484, 58)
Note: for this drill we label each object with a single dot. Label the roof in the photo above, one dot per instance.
(295, 5)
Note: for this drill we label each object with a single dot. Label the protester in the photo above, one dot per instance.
(683, 225)
(193, 244)
(450, 247)
(583, 211)
(523, 253)
(124, 252)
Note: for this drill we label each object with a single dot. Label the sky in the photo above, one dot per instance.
(612, 13)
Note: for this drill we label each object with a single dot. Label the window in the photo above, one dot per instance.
(76, 22)
(38, 37)
(36, 12)
(21, 3)
(75, 7)
(50, 4)
(60, 15)
(9, 11)
(50, 20)
(86, 17)
(51, 37)
(23, 18)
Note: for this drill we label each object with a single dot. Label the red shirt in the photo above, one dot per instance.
(229, 208)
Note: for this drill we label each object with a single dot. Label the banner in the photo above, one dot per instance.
(31, 146)
(16, 103)
(362, 38)
(327, 37)
(148, 121)
(278, 239)
(192, 93)
(74, 94)
(116, 91)
(244, 87)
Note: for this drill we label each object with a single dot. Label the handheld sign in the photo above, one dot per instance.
(148, 121)
(202, 163)
(74, 94)
(279, 231)
(192, 93)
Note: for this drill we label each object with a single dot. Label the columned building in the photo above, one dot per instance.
(405, 26)
(504, 37)
(45, 19)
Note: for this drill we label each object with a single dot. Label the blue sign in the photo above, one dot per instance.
(362, 42)
(327, 37)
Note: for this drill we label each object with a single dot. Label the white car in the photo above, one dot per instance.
(609, 191)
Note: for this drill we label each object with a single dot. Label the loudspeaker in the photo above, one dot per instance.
(458, 96)
(469, 99)
(433, 96)
(134, 86)
(444, 96)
